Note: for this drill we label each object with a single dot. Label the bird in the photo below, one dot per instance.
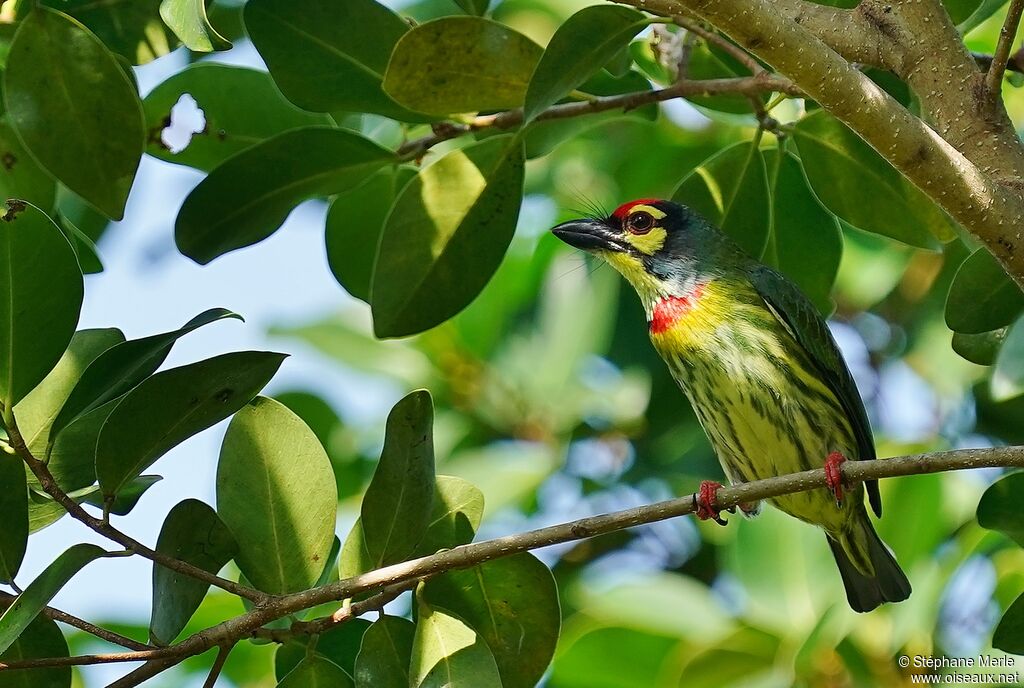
(762, 371)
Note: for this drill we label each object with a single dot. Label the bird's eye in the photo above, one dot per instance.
(640, 223)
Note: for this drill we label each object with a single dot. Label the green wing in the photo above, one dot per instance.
(800, 316)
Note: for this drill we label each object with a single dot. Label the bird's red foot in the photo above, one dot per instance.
(834, 475)
(706, 502)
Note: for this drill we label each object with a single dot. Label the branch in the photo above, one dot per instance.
(994, 77)
(218, 666)
(751, 85)
(57, 615)
(408, 573)
(104, 528)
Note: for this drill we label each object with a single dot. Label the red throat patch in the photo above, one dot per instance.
(670, 309)
(623, 210)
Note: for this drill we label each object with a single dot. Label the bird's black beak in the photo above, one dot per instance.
(590, 235)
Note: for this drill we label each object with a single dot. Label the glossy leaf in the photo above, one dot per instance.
(805, 242)
(1008, 373)
(125, 365)
(316, 672)
(97, 109)
(126, 499)
(131, 28)
(192, 532)
(477, 7)
(41, 639)
(276, 493)
(168, 408)
(241, 107)
(982, 296)
(999, 508)
(710, 62)
(731, 190)
(355, 222)
(14, 507)
(72, 456)
(456, 514)
(40, 298)
(397, 505)
(461, 64)
(20, 175)
(580, 47)
(512, 603)
(340, 645)
(39, 592)
(188, 20)
(85, 248)
(447, 653)
(969, 14)
(857, 184)
(328, 56)
(980, 348)
(383, 660)
(446, 235)
(37, 411)
(248, 197)
(1009, 634)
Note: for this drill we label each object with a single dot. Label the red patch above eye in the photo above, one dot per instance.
(623, 210)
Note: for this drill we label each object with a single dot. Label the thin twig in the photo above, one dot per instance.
(50, 486)
(994, 77)
(218, 666)
(760, 83)
(82, 625)
(467, 556)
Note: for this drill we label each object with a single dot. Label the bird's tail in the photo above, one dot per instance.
(869, 570)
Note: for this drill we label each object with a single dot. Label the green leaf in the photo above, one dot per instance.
(355, 222)
(1009, 634)
(980, 348)
(982, 296)
(42, 511)
(383, 660)
(446, 235)
(711, 62)
(397, 505)
(173, 405)
(609, 656)
(38, 594)
(579, 48)
(731, 190)
(969, 14)
(188, 20)
(72, 456)
(42, 639)
(126, 499)
(40, 299)
(857, 184)
(95, 107)
(456, 514)
(248, 197)
(241, 107)
(340, 645)
(20, 175)
(512, 603)
(461, 64)
(276, 493)
(130, 28)
(14, 507)
(329, 56)
(123, 366)
(999, 508)
(85, 248)
(805, 243)
(316, 672)
(447, 653)
(192, 532)
(477, 7)
(37, 411)
(1008, 373)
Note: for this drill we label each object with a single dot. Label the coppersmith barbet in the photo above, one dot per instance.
(760, 369)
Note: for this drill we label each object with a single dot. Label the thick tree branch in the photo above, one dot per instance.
(762, 82)
(103, 634)
(407, 573)
(992, 211)
(104, 528)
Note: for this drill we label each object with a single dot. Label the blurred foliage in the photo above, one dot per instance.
(546, 402)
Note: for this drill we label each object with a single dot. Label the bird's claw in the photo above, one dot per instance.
(705, 500)
(834, 475)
